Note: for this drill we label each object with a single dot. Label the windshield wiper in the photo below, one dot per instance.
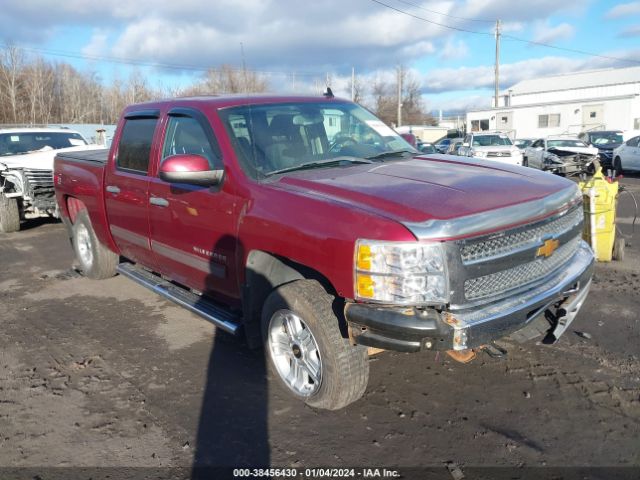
(393, 153)
(320, 163)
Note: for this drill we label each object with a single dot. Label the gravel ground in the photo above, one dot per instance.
(107, 374)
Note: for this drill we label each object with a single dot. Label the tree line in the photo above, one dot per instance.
(37, 91)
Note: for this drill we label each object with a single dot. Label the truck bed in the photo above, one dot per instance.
(98, 155)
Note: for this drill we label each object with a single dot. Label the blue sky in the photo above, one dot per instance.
(280, 37)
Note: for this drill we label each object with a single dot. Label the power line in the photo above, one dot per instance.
(142, 63)
(431, 21)
(572, 50)
(510, 37)
(481, 20)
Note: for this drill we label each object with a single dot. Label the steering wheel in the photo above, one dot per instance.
(341, 143)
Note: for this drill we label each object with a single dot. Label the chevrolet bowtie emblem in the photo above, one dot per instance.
(547, 248)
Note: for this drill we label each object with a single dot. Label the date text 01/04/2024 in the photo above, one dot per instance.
(316, 473)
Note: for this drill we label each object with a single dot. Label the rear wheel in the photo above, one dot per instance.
(96, 260)
(617, 166)
(9, 215)
(306, 351)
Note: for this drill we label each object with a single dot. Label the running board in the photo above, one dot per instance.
(208, 310)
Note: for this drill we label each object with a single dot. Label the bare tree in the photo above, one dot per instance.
(227, 79)
(385, 101)
(33, 90)
(11, 64)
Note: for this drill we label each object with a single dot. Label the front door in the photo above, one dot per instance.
(193, 228)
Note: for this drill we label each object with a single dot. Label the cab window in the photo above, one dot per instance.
(135, 144)
(185, 135)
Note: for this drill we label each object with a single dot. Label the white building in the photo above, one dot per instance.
(566, 104)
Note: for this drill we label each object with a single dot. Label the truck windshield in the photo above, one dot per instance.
(279, 137)
(606, 138)
(17, 143)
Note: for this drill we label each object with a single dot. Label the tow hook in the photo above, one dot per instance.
(494, 351)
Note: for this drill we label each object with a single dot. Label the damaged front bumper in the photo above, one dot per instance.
(549, 308)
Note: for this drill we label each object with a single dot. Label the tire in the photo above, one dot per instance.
(618, 249)
(525, 162)
(96, 261)
(9, 215)
(617, 166)
(299, 327)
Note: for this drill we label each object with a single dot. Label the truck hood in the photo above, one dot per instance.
(39, 160)
(608, 147)
(425, 188)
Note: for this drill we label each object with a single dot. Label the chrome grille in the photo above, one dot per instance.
(518, 239)
(498, 154)
(39, 178)
(500, 282)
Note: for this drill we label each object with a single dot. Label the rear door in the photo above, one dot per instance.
(631, 160)
(127, 185)
(193, 228)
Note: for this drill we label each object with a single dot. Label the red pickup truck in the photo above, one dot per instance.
(309, 226)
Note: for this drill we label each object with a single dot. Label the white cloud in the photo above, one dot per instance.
(510, 11)
(275, 33)
(544, 33)
(482, 77)
(454, 50)
(98, 45)
(623, 10)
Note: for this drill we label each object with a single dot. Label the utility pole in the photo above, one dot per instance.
(497, 68)
(244, 69)
(399, 96)
(353, 84)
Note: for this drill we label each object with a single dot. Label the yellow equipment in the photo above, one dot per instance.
(600, 196)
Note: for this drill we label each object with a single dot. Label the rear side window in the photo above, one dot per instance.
(135, 144)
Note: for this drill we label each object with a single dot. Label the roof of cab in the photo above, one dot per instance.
(224, 101)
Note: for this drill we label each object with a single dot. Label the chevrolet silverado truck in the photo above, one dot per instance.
(309, 226)
(26, 171)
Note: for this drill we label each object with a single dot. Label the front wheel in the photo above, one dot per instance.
(306, 351)
(9, 215)
(96, 260)
(525, 162)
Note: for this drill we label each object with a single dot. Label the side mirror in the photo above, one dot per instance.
(190, 169)
(465, 144)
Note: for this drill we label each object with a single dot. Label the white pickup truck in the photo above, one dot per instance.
(26, 171)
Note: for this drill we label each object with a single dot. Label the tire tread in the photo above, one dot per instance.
(348, 364)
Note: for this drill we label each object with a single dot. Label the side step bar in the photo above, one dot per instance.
(208, 310)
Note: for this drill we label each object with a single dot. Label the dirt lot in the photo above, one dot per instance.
(105, 373)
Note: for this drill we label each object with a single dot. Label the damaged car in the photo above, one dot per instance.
(561, 155)
(26, 171)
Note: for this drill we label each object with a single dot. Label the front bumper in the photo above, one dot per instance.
(413, 329)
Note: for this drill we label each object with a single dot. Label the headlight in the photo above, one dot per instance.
(401, 273)
(2, 167)
(477, 153)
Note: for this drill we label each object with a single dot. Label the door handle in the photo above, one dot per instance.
(159, 202)
(112, 189)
